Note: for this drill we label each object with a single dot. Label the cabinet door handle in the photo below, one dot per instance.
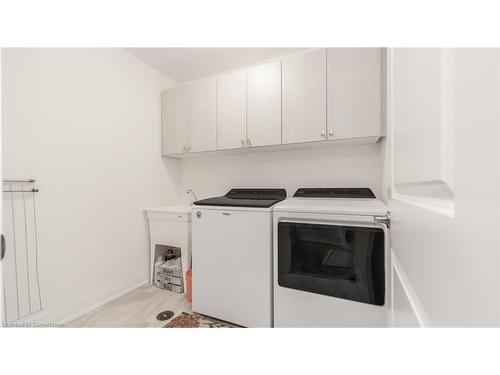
(188, 148)
(248, 142)
(184, 149)
(323, 134)
(330, 133)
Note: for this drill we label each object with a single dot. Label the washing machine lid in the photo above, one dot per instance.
(256, 198)
(342, 201)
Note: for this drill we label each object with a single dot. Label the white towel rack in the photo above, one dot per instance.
(21, 287)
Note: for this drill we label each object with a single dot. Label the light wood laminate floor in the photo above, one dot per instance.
(138, 308)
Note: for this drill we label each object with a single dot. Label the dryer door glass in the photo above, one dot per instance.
(334, 260)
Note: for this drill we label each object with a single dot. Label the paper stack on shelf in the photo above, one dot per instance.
(168, 275)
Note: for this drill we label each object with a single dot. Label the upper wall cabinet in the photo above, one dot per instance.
(231, 110)
(318, 95)
(354, 92)
(201, 115)
(188, 117)
(174, 119)
(264, 104)
(304, 97)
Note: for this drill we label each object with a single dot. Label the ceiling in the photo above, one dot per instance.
(186, 64)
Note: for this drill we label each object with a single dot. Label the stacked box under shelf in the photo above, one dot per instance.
(168, 275)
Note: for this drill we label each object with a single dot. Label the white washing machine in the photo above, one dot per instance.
(331, 259)
(232, 256)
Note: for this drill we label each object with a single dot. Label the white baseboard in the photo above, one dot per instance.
(88, 303)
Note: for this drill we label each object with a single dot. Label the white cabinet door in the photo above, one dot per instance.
(231, 252)
(201, 114)
(231, 110)
(354, 90)
(304, 97)
(264, 104)
(174, 121)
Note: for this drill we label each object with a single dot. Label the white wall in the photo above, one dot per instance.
(86, 124)
(335, 166)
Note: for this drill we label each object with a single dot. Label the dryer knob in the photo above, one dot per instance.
(198, 214)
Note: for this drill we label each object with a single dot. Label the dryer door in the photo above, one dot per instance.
(334, 260)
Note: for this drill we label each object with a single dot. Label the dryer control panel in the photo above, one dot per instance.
(334, 193)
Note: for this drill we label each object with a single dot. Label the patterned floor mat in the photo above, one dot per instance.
(185, 320)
